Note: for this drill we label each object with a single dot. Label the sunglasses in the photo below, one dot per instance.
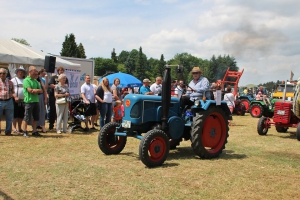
(195, 73)
(2, 73)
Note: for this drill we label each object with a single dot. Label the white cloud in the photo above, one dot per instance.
(262, 36)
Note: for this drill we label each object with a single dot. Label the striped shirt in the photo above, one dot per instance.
(6, 89)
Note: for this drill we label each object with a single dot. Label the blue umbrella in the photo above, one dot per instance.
(126, 80)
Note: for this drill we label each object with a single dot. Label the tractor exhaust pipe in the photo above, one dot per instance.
(166, 97)
(284, 92)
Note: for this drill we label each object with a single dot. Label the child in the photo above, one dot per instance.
(118, 112)
(258, 96)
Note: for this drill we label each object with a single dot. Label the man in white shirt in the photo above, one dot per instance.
(19, 109)
(88, 95)
(156, 87)
(179, 89)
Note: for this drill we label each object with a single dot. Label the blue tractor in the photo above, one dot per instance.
(161, 123)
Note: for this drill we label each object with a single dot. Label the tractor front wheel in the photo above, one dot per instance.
(262, 126)
(298, 132)
(108, 142)
(154, 148)
(281, 129)
(209, 133)
(256, 110)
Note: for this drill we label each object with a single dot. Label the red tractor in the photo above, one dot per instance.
(285, 116)
(232, 78)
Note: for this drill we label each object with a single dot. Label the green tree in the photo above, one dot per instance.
(161, 66)
(81, 51)
(152, 71)
(114, 56)
(21, 40)
(218, 66)
(104, 65)
(69, 47)
(123, 56)
(131, 60)
(141, 65)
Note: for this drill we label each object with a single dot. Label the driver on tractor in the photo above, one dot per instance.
(263, 95)
(195, 89)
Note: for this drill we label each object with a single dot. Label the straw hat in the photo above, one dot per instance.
(146, 80)
(196, 69)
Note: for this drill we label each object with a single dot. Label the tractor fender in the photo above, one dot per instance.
(176, 127)
(208, 103)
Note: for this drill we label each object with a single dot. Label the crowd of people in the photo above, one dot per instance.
(24, 100)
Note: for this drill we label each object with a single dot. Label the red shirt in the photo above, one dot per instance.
(117, 113)
(6, 89)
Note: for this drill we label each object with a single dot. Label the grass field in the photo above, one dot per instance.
(71, 166)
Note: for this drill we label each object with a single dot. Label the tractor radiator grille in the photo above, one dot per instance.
(282, 112)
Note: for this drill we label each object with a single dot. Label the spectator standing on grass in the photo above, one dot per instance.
(42, 103)
(18, 99)
(104, 101)
(6, 100)
(145, 88)
(116, 91)
(229, 98)
(156, 87)
(95, 85)
(52, 83)
(61, 90)
(88, 95)
(31, 89)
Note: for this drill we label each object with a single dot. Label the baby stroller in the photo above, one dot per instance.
(77, 108)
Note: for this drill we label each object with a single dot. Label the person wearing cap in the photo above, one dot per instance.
(196, 87)
(145, 88)
(156, 87)
(19, 106)
(6, 101)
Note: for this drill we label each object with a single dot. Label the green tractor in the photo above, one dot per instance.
(258, 108)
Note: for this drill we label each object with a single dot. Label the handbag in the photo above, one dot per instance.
(62, 100)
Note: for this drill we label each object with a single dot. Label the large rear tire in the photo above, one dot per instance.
(298, 132)
(262, 126)
(209, 133)
(256, 110)
(108, 142)
(154, 148)
(240, 109)
(246, 103)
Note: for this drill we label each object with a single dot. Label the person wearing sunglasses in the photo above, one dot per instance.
(196, 87)
(6, 100)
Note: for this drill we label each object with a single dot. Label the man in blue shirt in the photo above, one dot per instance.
(145, 89)
(196, 87)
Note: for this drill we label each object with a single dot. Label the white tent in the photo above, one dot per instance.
(14, 52)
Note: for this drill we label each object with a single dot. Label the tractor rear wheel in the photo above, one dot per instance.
(298, 132)
(281, 129)
(209, 132)
(246, 103)
(240, 109)
(262, 126)
(256, 110)
(154, 148)
(108, 142)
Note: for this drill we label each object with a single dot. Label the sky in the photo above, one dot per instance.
(262, 35)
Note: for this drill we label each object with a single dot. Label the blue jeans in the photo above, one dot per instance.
(8, 106)
(105, 113)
